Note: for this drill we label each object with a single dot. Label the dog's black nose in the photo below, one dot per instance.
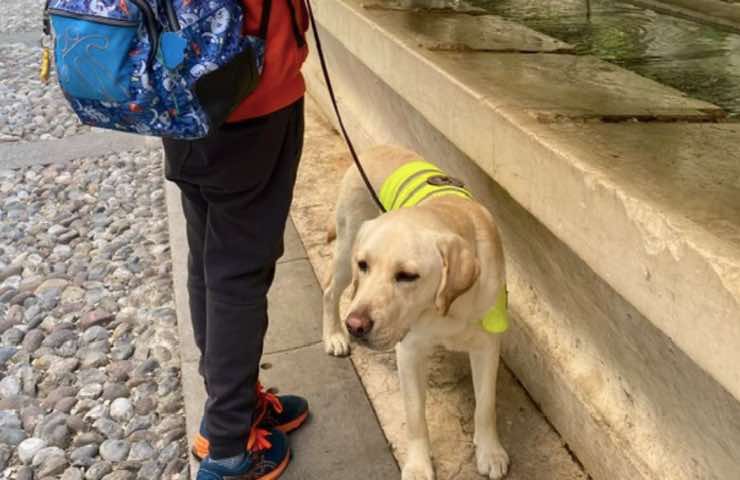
(359, 325)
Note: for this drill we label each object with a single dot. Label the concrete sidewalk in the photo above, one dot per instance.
(342, 438)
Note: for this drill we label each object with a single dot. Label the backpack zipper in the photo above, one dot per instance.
(92, 18)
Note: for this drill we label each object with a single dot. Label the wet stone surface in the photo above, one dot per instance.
(697, 58)
(91, 379)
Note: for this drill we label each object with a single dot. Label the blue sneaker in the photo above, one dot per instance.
(267, 458)
(285, 413)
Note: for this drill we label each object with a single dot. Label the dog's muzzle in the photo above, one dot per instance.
(359, 326)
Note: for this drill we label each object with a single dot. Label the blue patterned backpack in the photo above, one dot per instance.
(168, 68)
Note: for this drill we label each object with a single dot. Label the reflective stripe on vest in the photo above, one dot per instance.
(408, 186)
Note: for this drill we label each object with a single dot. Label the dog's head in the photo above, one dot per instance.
(402, 268)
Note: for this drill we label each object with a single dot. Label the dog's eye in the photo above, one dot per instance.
(362, 265)
(406, 277)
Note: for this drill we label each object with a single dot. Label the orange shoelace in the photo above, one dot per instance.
(258, 439)
(258, 436)
(265, 399)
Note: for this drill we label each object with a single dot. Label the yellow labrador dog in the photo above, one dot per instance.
(421, 276)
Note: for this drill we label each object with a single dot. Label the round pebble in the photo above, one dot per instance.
(91, 390)
(98, 471)
(84, 456)
(24, 473)
(32, 340)
(72, 473)
(112, 391)
(149, 470)
(9, 419)
(53, 466)
(141, 451)
(9, 387)
(114, 450)
(12, 436)
(119, 475)
(108, 428)
(6, 353)
(28, 449)
(46, 453)
(121, 410)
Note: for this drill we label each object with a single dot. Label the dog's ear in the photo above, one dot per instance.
(460, 270)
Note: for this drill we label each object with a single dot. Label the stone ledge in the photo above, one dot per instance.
(685, 258)
(602, 373)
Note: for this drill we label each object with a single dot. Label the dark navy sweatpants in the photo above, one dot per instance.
(237, 186)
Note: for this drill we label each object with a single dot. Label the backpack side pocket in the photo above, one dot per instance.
(92, 55)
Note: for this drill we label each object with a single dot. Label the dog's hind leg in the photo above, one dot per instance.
(492, 459)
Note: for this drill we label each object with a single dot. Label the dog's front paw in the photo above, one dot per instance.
(337, 344)
(417, 471)
(493, 462)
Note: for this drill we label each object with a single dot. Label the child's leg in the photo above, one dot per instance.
(246, 175)
(195, 210)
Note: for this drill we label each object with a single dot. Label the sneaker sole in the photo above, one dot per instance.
(200, 444)
(295, 424)
(274, 475)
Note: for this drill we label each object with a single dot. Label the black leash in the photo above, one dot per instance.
(329, 87)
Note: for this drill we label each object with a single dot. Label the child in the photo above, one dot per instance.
(237, 186)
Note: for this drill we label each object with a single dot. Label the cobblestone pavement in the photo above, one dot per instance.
(29, 109)
(21, 16)
(88, 344)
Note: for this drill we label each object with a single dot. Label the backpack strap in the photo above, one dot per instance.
(265, 20)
